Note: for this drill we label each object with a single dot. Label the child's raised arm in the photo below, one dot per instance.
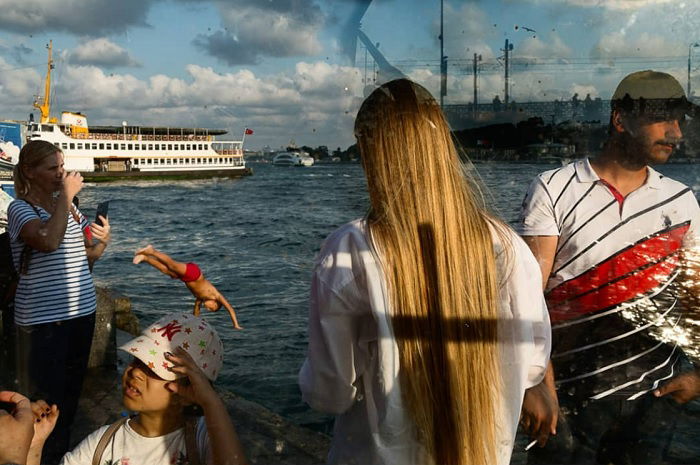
(225, 444)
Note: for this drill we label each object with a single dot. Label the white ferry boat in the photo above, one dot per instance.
(104, 153)
(293, 156)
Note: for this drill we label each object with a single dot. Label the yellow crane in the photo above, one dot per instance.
(43, 103)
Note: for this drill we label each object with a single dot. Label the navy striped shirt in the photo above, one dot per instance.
(58, 285)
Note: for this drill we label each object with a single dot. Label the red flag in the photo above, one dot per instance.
(248, 131)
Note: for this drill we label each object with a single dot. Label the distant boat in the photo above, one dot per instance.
(103, 153)
(550, 152)
(293, 156)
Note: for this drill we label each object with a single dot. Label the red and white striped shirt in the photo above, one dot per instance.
(613, 275)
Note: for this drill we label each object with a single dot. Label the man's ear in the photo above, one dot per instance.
(621, 123)
(617, 122)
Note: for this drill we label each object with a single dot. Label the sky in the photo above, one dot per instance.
(284, 68)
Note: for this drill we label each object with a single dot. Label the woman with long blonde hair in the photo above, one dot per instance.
(427, 321)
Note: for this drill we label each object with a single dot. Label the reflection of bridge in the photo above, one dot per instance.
(463, 116)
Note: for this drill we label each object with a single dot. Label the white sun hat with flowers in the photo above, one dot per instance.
(197, 337)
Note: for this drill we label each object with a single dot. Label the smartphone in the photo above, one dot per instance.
(102, 209)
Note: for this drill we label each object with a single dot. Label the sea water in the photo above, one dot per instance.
(256, 238)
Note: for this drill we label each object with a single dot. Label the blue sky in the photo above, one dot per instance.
(277, 67)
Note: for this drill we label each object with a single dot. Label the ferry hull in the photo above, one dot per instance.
(173, 175)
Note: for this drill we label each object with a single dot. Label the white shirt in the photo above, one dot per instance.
(130, 448)
(352, 364)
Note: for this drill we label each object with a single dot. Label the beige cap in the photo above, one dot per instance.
(649, 85)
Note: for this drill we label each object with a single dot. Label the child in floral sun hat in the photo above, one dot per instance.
(175, 361)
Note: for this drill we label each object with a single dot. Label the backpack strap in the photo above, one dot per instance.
(26, 253)
(10, 278)
(106, 438)
(191, 440)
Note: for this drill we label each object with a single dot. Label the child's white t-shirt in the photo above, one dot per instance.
(130, 448)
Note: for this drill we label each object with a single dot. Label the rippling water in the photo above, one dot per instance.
(255, 239)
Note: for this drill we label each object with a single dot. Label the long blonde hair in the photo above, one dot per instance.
(31, 156)
(436, 249)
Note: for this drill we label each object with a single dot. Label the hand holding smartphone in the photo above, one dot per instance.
(102, 209)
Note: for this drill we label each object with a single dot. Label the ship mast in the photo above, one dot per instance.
(45, 105)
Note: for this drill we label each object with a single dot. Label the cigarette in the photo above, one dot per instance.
(531, 445)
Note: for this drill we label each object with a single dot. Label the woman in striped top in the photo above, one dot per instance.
(53, 246)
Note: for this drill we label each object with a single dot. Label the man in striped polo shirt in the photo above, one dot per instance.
(609, 233)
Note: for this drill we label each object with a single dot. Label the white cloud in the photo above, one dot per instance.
(620, 44)
(17, 87)
(315, 103)
(584, 89)
(255, 30)
(533, 47)
(622, 5)
(90, 17)
(102, 52)
(468, 24)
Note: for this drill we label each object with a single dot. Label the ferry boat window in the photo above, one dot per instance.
(102, 146)
(150, 146)
(170, 146)
(156, 146)
(131, 146)
(209, 160)
(176, 147)
(187, 161)
(189, 147)
(109, 146)
(80, 146)
(123, 146)
(65, 145)
(46, 128)
(72, 146)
